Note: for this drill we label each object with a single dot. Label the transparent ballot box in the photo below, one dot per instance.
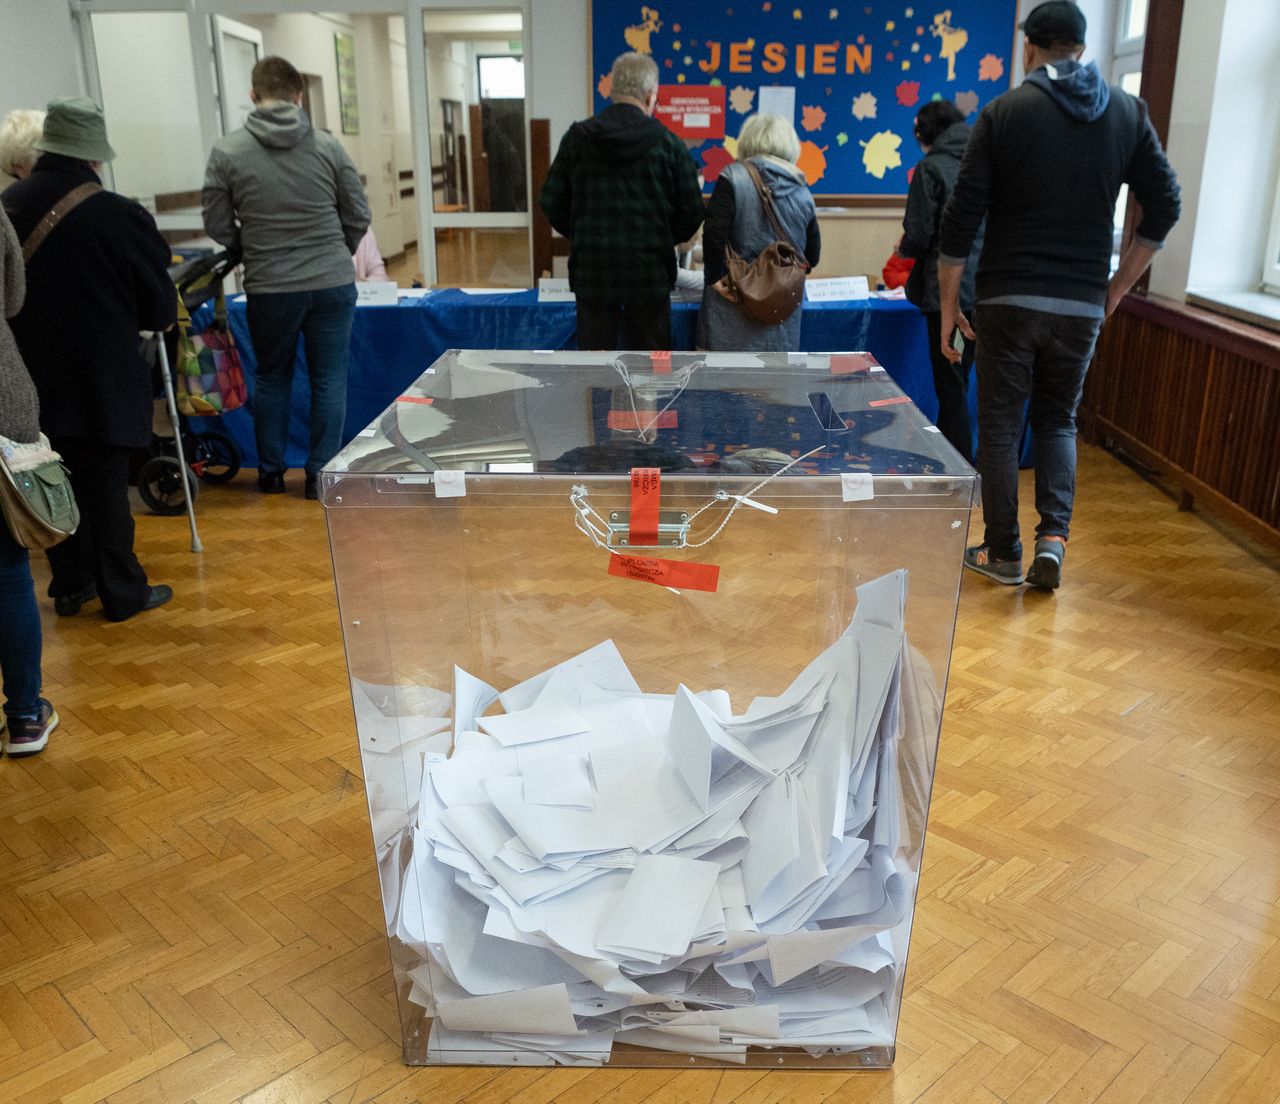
(647, 656)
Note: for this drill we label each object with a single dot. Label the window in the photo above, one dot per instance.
(1126, 71)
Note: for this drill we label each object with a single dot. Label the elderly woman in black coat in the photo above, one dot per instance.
(99, 277)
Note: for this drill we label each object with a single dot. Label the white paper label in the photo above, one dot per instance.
(377, 293)
(777, 100)
(554, 289)
(836, 289)
(450, 484)
(856, 486)
(697, 119)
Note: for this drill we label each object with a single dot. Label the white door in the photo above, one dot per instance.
(237, 48)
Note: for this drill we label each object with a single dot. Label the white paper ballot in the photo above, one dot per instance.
(660, 908)
(558, 780)
(545, 1008)
(548, 722)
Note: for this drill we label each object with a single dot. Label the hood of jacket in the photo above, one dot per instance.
(1078, 89)
(621, 133)
(278, 125)
(783, 178)
(952, 141)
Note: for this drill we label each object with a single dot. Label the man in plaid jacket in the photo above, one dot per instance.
(624, 191)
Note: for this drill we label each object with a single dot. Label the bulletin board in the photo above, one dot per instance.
(860, 72)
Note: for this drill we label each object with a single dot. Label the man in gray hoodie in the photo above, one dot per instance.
(291, 200)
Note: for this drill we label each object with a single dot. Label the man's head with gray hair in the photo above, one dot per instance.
(634, 79)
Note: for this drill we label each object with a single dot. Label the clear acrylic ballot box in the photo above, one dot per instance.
(647, 655)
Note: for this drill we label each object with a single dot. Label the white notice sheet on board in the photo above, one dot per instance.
(777, 100)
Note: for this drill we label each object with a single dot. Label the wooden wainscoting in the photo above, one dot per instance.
(1196, 395)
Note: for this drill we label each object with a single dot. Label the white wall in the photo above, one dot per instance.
(39, 54)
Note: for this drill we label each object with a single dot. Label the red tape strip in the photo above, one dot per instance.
(681, 574)
(630, 419)
(661, 361)
(646, 491)
(890, 402)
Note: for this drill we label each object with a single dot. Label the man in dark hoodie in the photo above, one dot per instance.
(624, 191)
(1045, 165)
(290, 199)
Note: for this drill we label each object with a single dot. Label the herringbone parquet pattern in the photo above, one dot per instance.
(188, 907)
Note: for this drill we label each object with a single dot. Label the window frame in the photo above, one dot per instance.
(1271, 260)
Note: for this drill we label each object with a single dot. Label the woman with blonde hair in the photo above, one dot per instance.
(736, 216)
(19, 134)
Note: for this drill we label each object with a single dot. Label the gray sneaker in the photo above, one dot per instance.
(1046, 569)
(979, 559)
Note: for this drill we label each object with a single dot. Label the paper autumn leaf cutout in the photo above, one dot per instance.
(605, 86)
(812, 162)
(842, 139)
(714, 161)
(991, 67)
(812, 118)
(741, 99)
(967, 102)
(908, 93)
(864, 106)
(910, 173)
(881, 153)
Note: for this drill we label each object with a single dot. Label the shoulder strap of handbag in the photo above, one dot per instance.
(55, 215)
(766, 197)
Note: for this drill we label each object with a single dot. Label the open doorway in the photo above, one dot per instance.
(479, 124)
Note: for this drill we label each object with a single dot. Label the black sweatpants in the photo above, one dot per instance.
(99, 553)
(625, 325)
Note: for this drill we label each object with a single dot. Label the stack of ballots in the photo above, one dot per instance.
(598, 865)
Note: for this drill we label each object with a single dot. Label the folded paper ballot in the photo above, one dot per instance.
(598, 864)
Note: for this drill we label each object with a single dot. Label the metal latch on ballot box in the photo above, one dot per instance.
(673, 529)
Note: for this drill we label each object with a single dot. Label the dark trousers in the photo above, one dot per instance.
(624, 325)
(1029, 354)
(951, 382)
(323, 318)
(19, 629)
(99, 554)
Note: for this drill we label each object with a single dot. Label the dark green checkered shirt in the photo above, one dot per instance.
(624, 191)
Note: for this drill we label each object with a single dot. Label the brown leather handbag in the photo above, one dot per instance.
(770, 288)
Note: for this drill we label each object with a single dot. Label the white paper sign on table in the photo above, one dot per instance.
(554, 289)
(836, 289)
(377, 293)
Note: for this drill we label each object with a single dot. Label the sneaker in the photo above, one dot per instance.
(1046, 569)
(979, 559)
(29, 735)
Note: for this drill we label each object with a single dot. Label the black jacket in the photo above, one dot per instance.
(99, 278)
(1045, 165)
(931, 187)
(624, 190)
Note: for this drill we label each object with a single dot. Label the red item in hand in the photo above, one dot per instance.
(896, 270)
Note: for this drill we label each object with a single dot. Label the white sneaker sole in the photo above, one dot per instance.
(23, 750)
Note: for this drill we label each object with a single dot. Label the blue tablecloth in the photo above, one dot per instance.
(392, 346)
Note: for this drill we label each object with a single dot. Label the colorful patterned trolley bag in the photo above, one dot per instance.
(209, 378)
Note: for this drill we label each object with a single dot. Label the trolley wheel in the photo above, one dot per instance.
(160, 485)
(215, 456)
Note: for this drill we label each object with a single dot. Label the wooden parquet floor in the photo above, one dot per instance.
(189, 912)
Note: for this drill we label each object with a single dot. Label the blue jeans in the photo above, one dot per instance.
(323, 319)
(1028, 354)
(20, 641)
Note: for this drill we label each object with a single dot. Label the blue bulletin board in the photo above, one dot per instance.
(860, 72)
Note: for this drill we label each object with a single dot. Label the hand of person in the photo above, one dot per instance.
(1114, 295)
(952, 319)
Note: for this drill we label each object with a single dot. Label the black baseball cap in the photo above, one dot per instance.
(1056, 21)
